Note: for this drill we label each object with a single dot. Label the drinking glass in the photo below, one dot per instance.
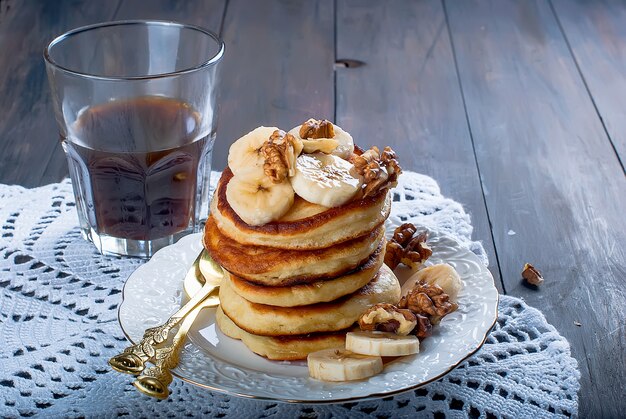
(135, 102)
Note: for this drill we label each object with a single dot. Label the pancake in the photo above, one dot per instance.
(316, 292)
(306, 225)
(267, 320)
(284, 348)
(281, 267)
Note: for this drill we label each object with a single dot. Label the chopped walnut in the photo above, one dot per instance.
(314, 128)
(385, 317)
(390, 159)
(369, 156)
(404, 233)
(428, 300)
(424, 328)
(379, 171)
(406, 248)
(280, 152)
(532, 275)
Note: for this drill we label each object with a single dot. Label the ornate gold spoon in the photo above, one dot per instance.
(154, 381)
(132, 360)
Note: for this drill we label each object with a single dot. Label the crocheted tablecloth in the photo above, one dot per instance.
(58, 328)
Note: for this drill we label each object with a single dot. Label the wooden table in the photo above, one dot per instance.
(517, 109)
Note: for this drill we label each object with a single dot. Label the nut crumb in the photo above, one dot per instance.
(532, 275)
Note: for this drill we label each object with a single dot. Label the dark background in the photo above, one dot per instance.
(517, 109)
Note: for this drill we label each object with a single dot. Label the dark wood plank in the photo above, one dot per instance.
(28, 131)
(552, 177)
(278, 67)
(596, 32)
(407, 95)
(205, 13)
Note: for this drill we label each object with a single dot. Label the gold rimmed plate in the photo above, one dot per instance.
(216, 362)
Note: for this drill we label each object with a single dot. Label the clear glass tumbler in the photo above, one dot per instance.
(136, 106)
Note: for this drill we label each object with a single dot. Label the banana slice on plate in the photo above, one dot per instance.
(341, 365)
(256, 198)
(246, 153)
(442, 274)
(341, 144)
(382, 344)
(325, 179)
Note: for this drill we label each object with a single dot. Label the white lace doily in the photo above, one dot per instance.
(58, 328)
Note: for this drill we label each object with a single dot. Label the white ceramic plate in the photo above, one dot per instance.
(214, 361)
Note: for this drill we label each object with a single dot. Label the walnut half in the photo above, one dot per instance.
(428, 300)
(280, 152)
(385, 317)
(406, 247)
(314, 128)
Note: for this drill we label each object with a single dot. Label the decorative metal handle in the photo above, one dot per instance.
(154, 381)
(132, 360)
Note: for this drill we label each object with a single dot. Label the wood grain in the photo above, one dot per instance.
(407, 95)
(205, 13)
(28, 131)
(551, 177)
(596, 32)
(278, 67)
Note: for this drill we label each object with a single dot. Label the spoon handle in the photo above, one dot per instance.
(132, 360)
(154, 381)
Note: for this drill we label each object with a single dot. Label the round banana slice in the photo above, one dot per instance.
(325, 179)
(341, 365)
(382, 343)
(442, 274)
(246, 151)
(341, 145)
(256, 199)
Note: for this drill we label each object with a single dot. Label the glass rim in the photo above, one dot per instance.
(206, 63)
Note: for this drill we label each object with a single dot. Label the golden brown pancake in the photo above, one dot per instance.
(315, 292)
(285, 348)
(303, 227)
(266, 320)
(281, 267)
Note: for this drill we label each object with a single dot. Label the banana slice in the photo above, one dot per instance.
(246, 151)
(442, 274)
(325, 179)
(342, 365)
(256, 198)
(382, 344)
(341, 145)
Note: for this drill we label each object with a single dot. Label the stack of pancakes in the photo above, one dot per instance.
(298, 284)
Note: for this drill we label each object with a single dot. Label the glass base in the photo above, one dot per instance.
(115, 246)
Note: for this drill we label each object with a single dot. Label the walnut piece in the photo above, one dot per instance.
(385, 317)
(424, 328)
(280, 152)
(532, 275)
(428, 300)
(379, 171)
(314, 128)
(406, 247)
